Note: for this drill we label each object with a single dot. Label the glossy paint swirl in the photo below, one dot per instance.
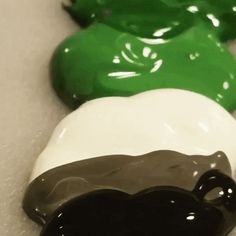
(116, 143)
(154, 211)
(132, 46)
(131, 174)
(146, 18)
(150, 121)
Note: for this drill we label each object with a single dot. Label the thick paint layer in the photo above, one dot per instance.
(102, 61)
(134, 46)
(145, 17)
(155, 211)
(162, 119)
(129, 174)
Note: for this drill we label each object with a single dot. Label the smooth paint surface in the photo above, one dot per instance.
(165, 119)
(146, 18)
(30, 30)
(134, 47)
(130, 174)
(154, 211)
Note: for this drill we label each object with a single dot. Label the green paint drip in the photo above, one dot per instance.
(131, 47)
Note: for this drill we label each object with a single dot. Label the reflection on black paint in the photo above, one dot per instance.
(168, 211)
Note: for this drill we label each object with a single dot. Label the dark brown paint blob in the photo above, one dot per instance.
(164, 211)
(129, 174)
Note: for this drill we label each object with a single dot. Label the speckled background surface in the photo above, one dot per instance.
(29, 32)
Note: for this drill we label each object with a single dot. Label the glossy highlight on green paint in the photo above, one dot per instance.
(130, 47)
(144, 17)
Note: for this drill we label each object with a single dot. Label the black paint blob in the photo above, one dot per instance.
(164, 211)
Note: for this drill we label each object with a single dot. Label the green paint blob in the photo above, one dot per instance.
(131, 47)
(144, 17)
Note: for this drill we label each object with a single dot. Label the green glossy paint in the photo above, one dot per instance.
(125, 52)
(144, 17)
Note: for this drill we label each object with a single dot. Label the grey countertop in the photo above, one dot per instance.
(30, 31)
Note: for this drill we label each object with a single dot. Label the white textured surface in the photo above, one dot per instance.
(29, 32)
(162, 119)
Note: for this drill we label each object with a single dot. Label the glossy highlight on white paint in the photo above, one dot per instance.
(164, 119)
